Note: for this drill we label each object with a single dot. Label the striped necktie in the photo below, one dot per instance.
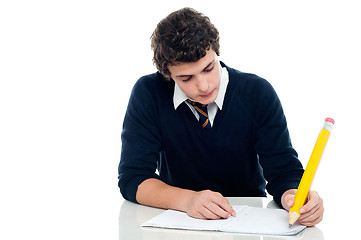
(203, 114)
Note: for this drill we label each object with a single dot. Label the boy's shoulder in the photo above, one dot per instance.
(153, 79)
(153, 85)
(246, 82)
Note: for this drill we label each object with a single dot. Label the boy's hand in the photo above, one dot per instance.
(208, 205)
(311, 212)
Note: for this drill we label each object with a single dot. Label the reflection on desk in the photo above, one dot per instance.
(132, 215)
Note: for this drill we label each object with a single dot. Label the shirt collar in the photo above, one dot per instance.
(179, 96)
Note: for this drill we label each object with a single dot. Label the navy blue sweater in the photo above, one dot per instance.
(247, 150)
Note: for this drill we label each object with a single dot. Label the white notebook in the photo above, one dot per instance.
(249, 220)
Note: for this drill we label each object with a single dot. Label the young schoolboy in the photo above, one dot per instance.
(209, 130)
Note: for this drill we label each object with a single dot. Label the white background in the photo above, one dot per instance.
(67, 69)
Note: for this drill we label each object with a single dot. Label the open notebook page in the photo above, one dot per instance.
(250, 220)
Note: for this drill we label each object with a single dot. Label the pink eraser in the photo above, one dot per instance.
(330, 120)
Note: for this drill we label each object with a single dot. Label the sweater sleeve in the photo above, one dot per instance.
(140, 141)
(279, 160)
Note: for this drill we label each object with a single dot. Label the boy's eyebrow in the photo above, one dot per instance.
(202, 70)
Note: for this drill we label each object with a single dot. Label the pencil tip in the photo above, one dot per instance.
(289, 225)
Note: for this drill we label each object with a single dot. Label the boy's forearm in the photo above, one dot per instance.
(155, 193)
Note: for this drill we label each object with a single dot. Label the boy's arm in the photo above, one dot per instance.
(204, 204)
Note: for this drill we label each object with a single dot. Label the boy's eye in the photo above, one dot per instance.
(187, 79)
(209, 69)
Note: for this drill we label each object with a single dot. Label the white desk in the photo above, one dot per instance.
(133, 215)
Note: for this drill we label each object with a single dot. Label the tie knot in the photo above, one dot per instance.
(200, 105)
(203, 113)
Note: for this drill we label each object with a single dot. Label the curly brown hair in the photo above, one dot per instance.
(183, 36)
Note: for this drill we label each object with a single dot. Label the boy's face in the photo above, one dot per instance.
(198, 80)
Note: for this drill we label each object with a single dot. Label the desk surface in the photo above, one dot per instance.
(133, 215)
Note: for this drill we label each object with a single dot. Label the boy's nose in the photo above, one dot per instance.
(202, 84)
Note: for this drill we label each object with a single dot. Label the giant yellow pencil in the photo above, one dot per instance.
(307, 177)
